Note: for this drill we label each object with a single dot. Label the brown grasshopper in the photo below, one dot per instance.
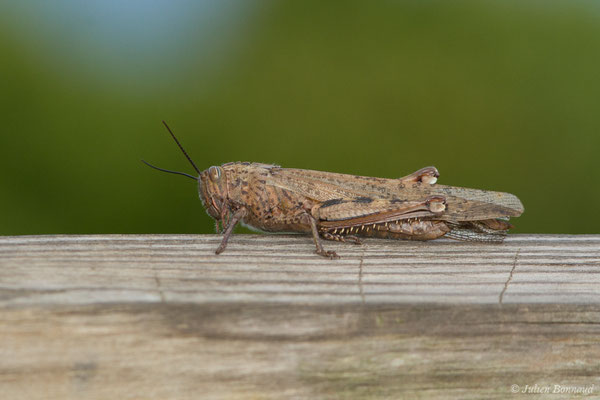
(344, 207)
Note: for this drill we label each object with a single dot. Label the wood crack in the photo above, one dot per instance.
(510, 276)
(159, 288)
(360, 274)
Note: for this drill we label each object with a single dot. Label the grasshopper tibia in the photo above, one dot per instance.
(340, 238)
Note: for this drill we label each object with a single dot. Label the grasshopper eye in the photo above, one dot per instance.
(215, 173)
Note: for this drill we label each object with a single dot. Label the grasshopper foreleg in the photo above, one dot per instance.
(237, 217)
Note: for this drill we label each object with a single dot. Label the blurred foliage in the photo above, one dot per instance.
(499, 95)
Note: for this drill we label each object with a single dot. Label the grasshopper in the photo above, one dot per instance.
(342, 207)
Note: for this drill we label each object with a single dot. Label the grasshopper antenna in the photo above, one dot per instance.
(171, 172)
(181, 147)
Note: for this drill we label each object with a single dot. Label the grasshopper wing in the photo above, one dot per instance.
(323, 186)
(463, 204)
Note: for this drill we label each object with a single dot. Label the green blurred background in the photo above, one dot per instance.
(500, 95)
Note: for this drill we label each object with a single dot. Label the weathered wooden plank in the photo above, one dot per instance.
(115, 268)
(160, 316)
(189, 351)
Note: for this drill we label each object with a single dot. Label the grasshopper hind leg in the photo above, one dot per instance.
(427, 175)
(409, 229)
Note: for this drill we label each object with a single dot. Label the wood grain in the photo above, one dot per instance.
(160, 316)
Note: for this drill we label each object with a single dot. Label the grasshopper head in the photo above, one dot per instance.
(212, 185)
(212, 188)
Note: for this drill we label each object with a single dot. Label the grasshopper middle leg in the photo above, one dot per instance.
(317, 239)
